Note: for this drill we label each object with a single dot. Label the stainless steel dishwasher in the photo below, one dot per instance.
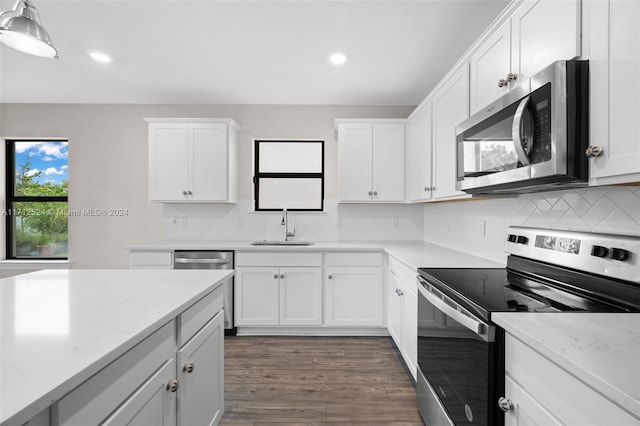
(210, 259)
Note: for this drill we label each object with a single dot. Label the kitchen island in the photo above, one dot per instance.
(76, 344)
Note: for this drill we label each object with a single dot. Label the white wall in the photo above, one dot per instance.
(609, 209)
(108, 169)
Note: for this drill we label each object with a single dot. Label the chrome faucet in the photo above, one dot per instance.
(285, 222)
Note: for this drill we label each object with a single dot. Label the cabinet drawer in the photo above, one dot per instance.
(195, 317)
(278, 259)
(150, 258)
(404, 273)
(91, 402)
(353, 259)
(564, 395)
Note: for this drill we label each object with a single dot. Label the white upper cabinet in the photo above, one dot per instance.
(371, 160)
(418, 154)
(192, 160)
(450, 107)
(614, 67)
(490, 63)
(538, 33)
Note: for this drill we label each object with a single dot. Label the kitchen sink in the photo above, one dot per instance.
(281, 243)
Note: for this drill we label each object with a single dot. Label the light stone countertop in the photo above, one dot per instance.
(60, 327)
(414, 254)
(603, 350)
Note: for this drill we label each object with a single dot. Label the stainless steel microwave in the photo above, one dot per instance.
(531, 139)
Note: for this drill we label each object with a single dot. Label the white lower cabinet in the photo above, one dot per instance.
(402, 312)
(278, 295)
(354, 293)
(540, 392)
(201, 376)
(150, 384)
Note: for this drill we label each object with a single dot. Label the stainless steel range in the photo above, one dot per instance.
(461, 353)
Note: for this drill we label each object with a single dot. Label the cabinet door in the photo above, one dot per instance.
(355, 161)
(394, 308)
(354, 296)
(543, 31)
(209, 157)
(151, 404)
(450, 108)
(300, 296)
(201, 376)
(615, 85)
(490, 63)
(256, 301)
(526, 410)
(388, 162)
(410, 328)
(418, 155)
(168, 161)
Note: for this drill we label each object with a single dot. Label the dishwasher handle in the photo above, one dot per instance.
(202, 261)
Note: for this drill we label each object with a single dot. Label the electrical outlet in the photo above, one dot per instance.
(337, 222)
(483, 228)
(174, 221)
(394, 222)
(237, 222)
(183, 222)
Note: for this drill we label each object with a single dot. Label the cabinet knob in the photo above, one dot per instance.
(505, 404)
(330, 276)
(502, 82)
(189, 192)
(512, 77)
(433, 188)
(184, 192)
(375, 193)
(173, 385)
(399, 292)
(275, 276)
(593, 151)
(189, 367)
(281, 276)
(370, 193)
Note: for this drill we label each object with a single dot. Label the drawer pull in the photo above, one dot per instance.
(189, 367)
(505, 404)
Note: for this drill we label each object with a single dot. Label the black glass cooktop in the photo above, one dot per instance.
(487, 290)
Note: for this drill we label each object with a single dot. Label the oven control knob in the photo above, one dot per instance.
(505, 404)
(512, 238)
(599, 251)
(619, 254)
(522, 239)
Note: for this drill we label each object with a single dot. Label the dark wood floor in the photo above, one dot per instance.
(316, 381)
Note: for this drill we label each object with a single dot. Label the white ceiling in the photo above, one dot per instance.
(244, 52)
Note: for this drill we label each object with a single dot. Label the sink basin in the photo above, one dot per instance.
(281, 243)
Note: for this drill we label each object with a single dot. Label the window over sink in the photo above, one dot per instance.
(288, 174)
(37, 188)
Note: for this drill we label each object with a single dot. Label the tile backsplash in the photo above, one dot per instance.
(339, 222)
(479, 226)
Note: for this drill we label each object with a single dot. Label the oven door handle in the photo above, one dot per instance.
(470, 323)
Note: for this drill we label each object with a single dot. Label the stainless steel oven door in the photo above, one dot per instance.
(456, 356)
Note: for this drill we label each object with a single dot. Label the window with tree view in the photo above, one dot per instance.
(36, 196)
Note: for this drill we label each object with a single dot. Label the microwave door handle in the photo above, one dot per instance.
(521, 132)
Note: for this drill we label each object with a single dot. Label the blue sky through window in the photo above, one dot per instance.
(50, 157)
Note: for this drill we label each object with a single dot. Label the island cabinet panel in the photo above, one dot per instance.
(151, 404)
(155, 382)
(94, 400)
(201, 376)
(151, 259)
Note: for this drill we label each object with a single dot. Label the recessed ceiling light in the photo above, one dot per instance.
(337, 59)
(100, 57)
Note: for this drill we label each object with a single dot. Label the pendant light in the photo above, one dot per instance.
(20, 28)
